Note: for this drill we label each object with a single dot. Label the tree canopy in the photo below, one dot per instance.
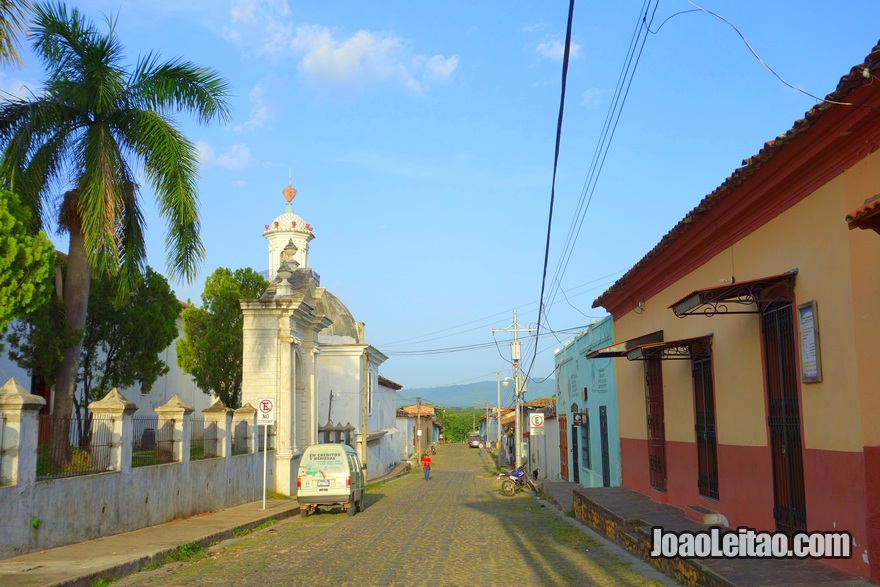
(27, 261)
(74, 150)
(211, 348)
(122, 342)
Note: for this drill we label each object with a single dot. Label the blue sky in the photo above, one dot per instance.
(420, 137)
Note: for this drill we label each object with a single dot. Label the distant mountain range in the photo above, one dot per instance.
(468, 395)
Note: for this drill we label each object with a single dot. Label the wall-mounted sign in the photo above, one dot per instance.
(811, 361)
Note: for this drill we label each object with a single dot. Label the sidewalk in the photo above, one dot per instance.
(79, 565)
(625, 507)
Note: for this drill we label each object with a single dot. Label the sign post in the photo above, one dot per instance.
(265, 418)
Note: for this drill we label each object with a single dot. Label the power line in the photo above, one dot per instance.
(505, 312)
(621, 92)
(565, 58)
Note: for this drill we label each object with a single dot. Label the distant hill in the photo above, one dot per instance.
(468, 395)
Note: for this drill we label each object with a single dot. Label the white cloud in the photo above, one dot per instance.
(360, 59)
(256, 11)
(11, 88)
(592, 97)
(260, 23)
(363, 59)
(440, 68)
(204, 153)
(238, 156)
(556, 49)
(260, 111)
(366, 58)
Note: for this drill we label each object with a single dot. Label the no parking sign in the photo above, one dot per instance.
(536, 424)
(265, 412)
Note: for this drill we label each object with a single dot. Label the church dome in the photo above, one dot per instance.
(344, 324)
(288, 221)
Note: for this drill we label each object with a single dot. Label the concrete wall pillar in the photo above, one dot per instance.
(113, 422)
(179, 413)
(248, 414)
(219, 416)
(19, 431)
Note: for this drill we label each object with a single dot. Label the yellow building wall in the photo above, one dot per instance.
(839, 413)
(862, 182)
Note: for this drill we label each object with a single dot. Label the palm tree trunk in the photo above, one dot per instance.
(77, 282)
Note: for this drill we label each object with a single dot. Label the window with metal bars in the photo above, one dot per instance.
(704, 417)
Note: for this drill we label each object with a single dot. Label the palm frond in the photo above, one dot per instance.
(170, 165)
(178, 85)
(14, 17)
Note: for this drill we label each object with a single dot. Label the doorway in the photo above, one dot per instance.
(603, 439)
(783, 416)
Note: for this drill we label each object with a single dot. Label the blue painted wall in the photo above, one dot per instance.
(584, 387)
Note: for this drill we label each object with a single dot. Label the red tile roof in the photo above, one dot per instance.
(866, 216)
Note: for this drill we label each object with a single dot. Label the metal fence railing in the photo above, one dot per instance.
(152, 441)
(267, 435)
(240, 435)
(68, 447)
(203, 439)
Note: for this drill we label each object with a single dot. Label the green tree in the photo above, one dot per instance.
(27, 261)
(38, 338)
(457, 424)
(212, 345)
(94, 121)
(122, 342)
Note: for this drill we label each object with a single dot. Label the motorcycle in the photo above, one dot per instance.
(513, 481)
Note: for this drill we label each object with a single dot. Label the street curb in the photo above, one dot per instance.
(138, 562)
(131, 567)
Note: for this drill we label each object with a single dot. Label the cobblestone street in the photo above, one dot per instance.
(454, 530)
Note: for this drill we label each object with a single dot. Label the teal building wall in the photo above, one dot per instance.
(586, 390)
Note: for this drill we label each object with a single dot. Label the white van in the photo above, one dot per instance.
(330, 475)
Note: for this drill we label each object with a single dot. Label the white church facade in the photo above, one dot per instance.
(304, 350)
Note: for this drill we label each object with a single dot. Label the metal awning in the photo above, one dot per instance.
(619, 349)
(670, 350)
(718, 300)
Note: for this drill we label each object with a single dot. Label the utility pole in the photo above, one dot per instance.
(498, 422)
(487, 423)
(518, 385)
(419, 426)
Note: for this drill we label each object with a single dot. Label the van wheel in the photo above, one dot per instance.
(363, 503)
(352, 505)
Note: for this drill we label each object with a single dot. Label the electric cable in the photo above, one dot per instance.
(565, 59)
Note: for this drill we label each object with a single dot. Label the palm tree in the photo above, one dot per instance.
(72, 151)
(13, 23)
